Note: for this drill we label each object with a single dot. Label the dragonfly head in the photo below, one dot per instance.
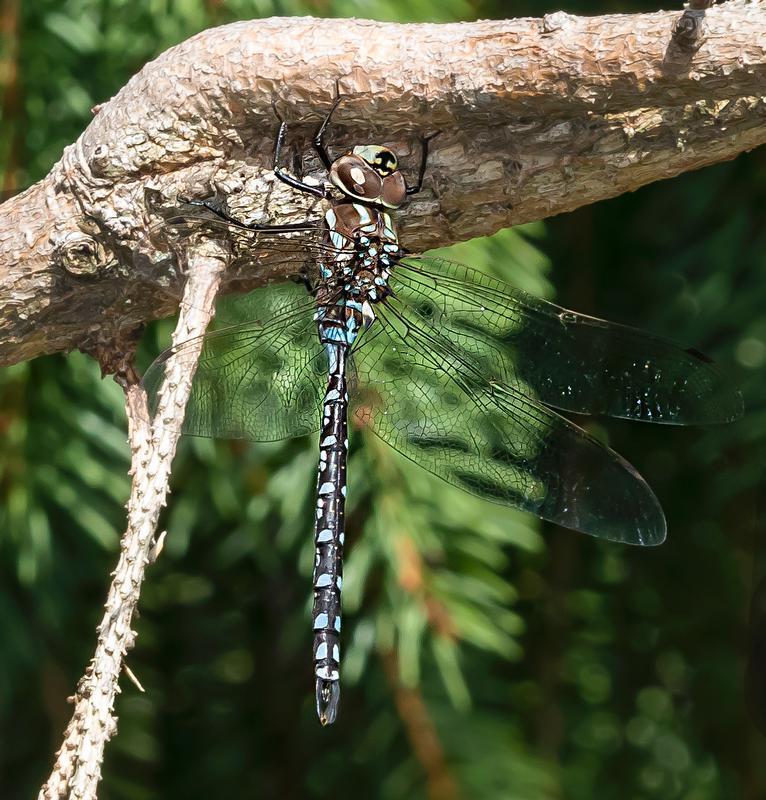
(370, 173)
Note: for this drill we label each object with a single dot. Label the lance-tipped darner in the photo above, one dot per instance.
(455, 370)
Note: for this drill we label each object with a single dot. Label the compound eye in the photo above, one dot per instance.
(353, 175)
(394, 190)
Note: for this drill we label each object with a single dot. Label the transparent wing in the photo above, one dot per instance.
(567, 360)
(262, 379)
(426, 397)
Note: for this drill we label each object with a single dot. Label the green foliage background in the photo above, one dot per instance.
(549, 665)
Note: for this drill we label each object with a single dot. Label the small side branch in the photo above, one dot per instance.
(77, 770)
(421, 733)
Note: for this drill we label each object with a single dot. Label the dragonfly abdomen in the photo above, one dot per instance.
(329, 535)
(352, 283)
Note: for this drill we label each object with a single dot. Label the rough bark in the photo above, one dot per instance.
(538, 116)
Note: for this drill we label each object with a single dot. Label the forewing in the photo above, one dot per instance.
(261, 379)
(566, 360)
(425, 397)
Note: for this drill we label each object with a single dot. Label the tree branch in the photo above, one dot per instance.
(421, 732)
(77, 770)
(538, 116)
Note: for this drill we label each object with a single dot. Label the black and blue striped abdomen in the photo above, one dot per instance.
(352, 281)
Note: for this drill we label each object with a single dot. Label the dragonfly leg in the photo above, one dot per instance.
(290, 180)
(424, 140)
(318, 140)
(250, 226)
(305, 282)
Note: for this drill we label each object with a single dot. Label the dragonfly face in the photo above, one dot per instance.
(370, 173)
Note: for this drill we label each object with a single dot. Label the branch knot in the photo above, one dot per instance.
(80, 254)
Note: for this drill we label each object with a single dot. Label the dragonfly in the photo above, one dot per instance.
(459, 372)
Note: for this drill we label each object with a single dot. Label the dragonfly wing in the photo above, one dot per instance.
(426, 398)
(261, 379)
(567, 360)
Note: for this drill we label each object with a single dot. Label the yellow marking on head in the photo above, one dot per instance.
(381, 159)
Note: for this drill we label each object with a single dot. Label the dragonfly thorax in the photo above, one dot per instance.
(365, 245)
(355, 274)
(370, 173)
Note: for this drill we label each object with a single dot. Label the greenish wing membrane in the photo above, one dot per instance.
(262, 379)
(423, 395)
(566, 360)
